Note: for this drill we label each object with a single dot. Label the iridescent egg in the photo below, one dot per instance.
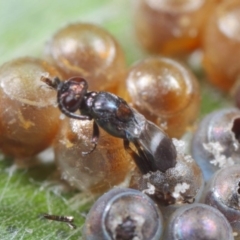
(178, 185)
(123, 213)
(89, 51)
(215, 143)
(198, 222)
(223, 193)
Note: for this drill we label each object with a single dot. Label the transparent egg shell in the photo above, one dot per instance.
(215, 143)
(123, 213)
(89, 51)
(178, 185)
(166, 92)
(198, 222)
(108, 165)
(221, 45)
(171, 27)
(28, 119)
(223, 192)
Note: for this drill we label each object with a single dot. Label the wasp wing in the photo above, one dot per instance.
(157, 147)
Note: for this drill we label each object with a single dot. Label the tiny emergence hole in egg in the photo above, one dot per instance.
(236, 128)
(126, 229)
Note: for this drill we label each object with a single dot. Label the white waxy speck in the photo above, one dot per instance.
(136, 131)
(180, 188)
(180, 145)
(216, 149)
(164, 125)
(235, 234)
(188, 158)
(150, 189)
(236, 145)
(62, 116)
(146, 176)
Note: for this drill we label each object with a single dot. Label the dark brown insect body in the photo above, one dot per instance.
(155, 150)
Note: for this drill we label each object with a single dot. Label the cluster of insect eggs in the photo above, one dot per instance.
(30, 123)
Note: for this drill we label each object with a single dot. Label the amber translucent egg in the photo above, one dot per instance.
(89, 51)
(166, 92)
(221, 45)
(102, 169)
(171, 26)
(28, 119)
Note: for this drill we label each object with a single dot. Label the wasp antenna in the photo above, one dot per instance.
(51, 82)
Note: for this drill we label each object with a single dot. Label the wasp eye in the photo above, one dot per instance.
(71, 93)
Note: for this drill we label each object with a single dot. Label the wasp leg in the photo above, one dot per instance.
(95, 138)
(51, 82)
(66, 219)
(140, 158)
(73, 115)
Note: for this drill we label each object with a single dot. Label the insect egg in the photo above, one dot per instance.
(223, 193)
(221, 45)
(198, 222)
(123, 213)
(215, 143)
(171, 27)
(28, 119)
(178, 185)
(105, 167)
(166, 92)
(89, 51)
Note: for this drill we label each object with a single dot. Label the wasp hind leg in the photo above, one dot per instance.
(139, 158)
(95, 137)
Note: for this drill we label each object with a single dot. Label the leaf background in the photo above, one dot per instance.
(25, 26)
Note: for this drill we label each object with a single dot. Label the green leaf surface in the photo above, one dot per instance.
(25, 27)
